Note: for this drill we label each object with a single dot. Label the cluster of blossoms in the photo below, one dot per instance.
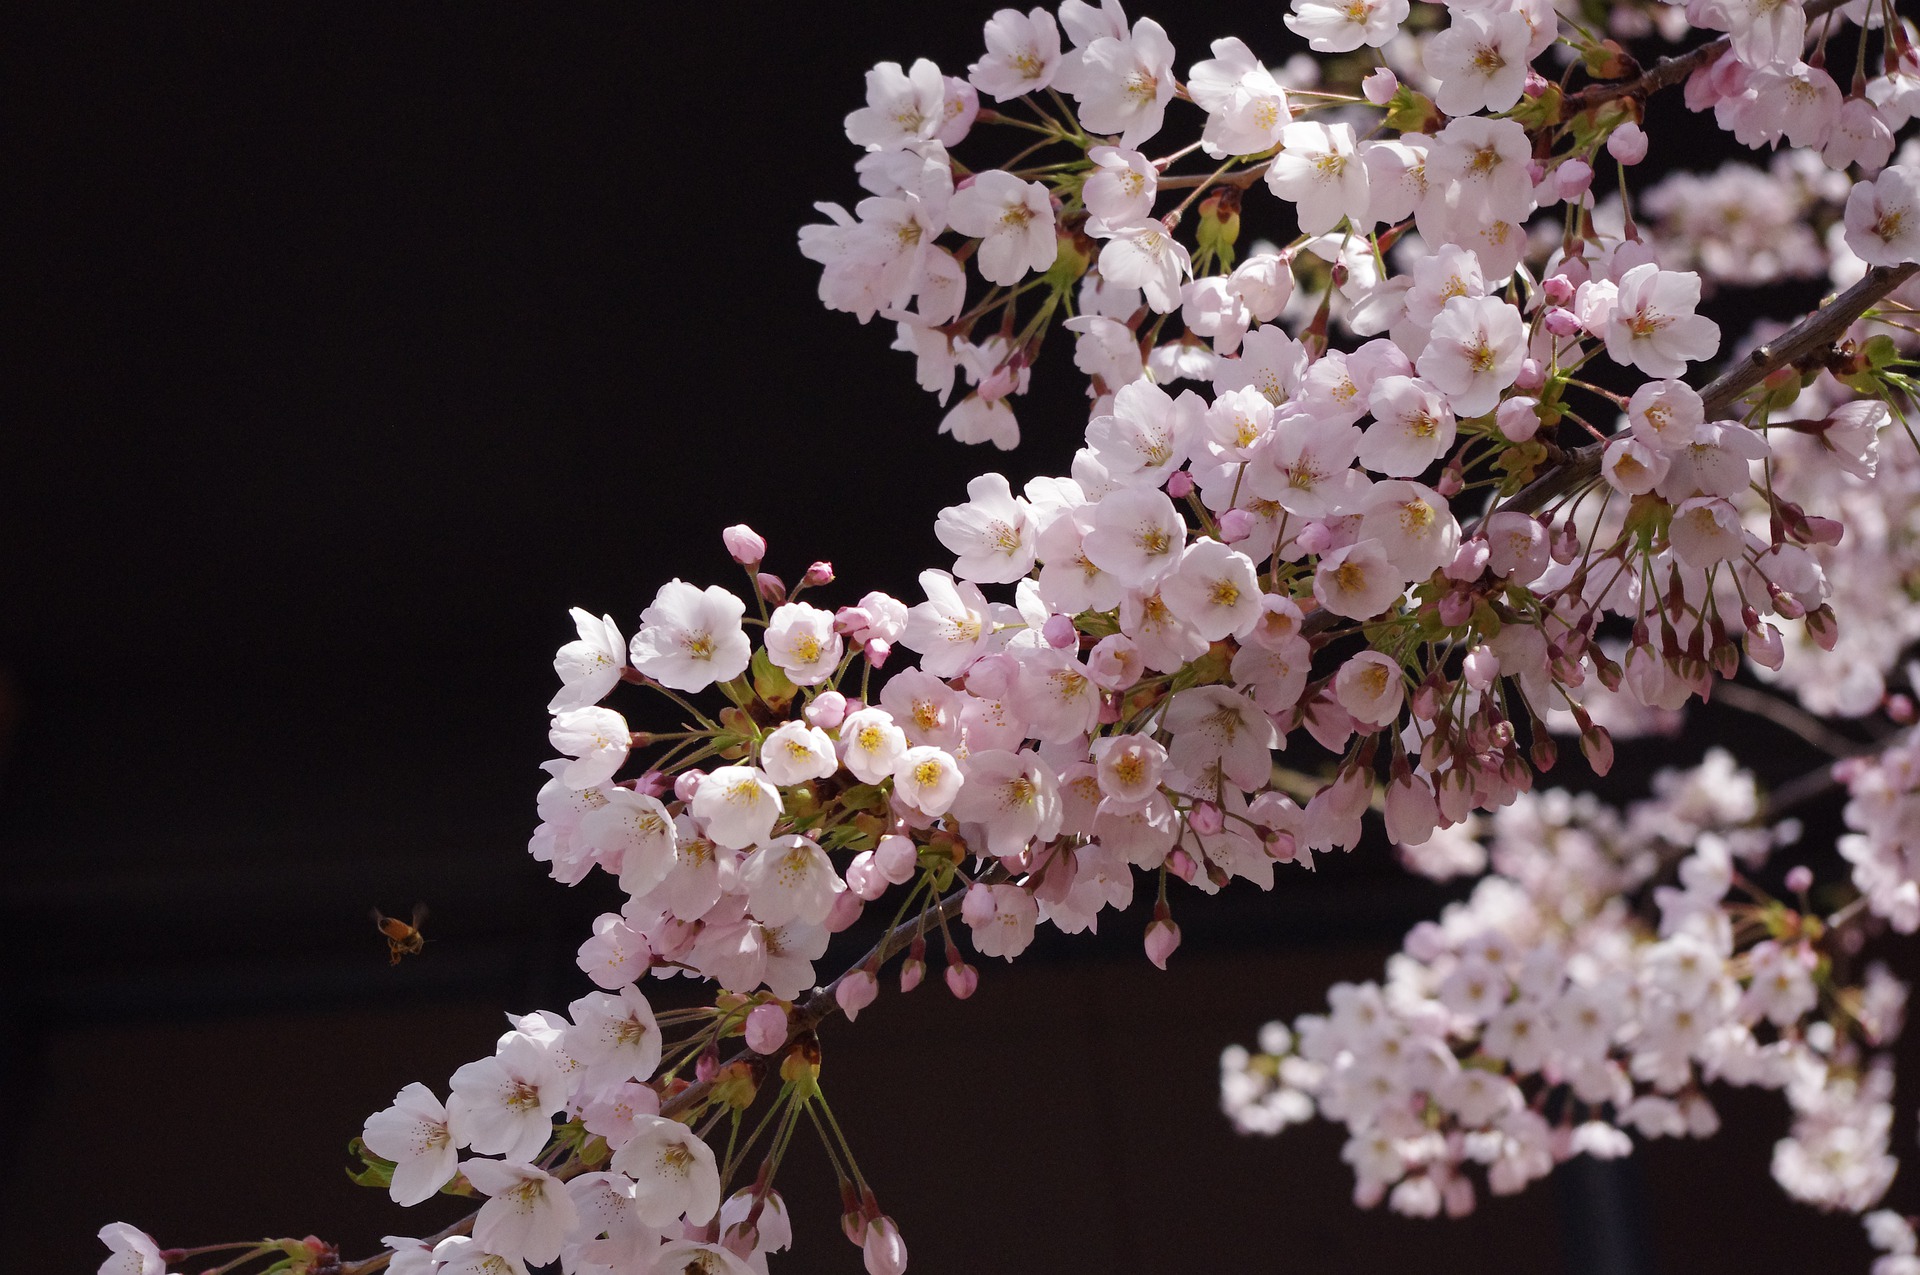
(1883, 848)
(1571, 999)
(1435, 486)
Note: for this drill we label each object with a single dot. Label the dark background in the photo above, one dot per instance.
(349, 346)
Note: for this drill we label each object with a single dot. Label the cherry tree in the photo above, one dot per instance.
(1410, 464)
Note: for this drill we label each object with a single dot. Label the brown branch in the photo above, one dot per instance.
(808, 1015)
(1669, 71)
(1808, 339)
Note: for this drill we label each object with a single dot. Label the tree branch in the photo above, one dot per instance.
(1812, 336)
(1669, 71)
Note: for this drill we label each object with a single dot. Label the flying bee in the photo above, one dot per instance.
(402, 939)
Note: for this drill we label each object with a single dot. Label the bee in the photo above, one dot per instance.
(402, 939)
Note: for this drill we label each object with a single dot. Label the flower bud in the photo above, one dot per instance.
(897, 858)
(1799, 878)
(771, 587)
(1518, 418)
(1561, 321)
(1598, 747)
(962, 979)
(864, 877)
(686, 783)
(1530, 377)
(746, 545)
(994, 677)
(1899, 708)
(1765, 647)
(1557, 289)
(1059, 632)
(1180, 484)
(1380, 87)
(846, 910)
(1205, 818)
(1573, 177)
(1628, 143)
(819, 573)
(855, 991)
(977, 908)
(912, 970)
(1315, 537)
(883, 1251)
(766, 1028)
(1235, 525)
(1822, 627)
(1163, 936)
(877, 650)
(1468, 561)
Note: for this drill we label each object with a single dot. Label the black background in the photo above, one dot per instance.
(349, 346)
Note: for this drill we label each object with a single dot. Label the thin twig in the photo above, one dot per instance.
(1669, 71)
(1789, 716)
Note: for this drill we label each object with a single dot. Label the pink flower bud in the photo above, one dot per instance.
(1628, 143)
(1557, 289)
(1469, 561)
(912, 970)
(1765, 647)
(1451, 481)
(1180, 484)
(1109, 709)
(1163, 936)
(877, 650)
(766, 1028)
(1205, 818)
(846, 910)
(1235, 525)
(1517, 418)
(962, 980)
(746, 545)
(1181, 864)
(1822, 531)
(1059, 632)
(884, 1252)
(1380, 87)
(1822, 627)
(855, 991)
(1480, 667)
(1454, 610)
(994, 677)
(819, 573)
(852, 622)
(1535, 84)
(864, 877)
(1598, 746)
(652, 784)
(897, 858)
(1573, 177)
(1536, 172)
(771, 587)
(1315, 537)
(1531, 376)
(1561, 321)
(1899, 708)
(828, 710)
(1799, 878)
(977, 908)
(707, 1066)
(686, 783)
